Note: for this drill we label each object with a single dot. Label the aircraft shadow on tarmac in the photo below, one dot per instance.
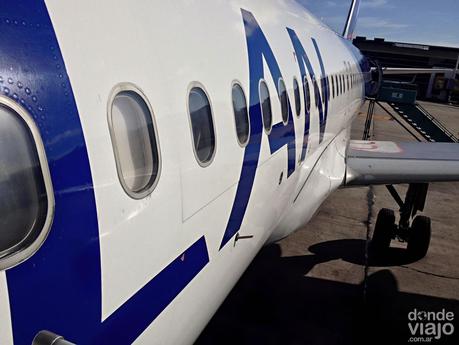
(275, 303)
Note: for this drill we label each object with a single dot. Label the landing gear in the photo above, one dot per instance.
(419, 240)
(417, 235)
(384, 231)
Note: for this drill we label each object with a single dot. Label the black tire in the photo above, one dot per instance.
(419, 241)
(384, 229)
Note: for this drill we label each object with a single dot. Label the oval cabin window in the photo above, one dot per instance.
(333, 85)
(283, 98)
(296, 91)
(134, 142)
(202, 126)
(266, 110)
(26, 196)
(241, 115)
(307, 95)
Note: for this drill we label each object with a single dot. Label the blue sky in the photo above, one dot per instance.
(433, 22)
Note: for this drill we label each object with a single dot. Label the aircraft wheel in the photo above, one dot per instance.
(384, 228)
(419, 241)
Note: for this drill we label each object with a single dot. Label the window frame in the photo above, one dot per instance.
(338, 90)
(130, 87)
(333, 86)
(335, 81)
(196, 84)
(263, 81)
(316, 91)
(307, 95)
(281, 80)
(297, 95)
(17, 257)
(340, 84)
(234, 83)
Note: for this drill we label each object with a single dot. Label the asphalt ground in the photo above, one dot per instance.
(321, 286)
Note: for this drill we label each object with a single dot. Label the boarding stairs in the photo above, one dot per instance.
(423, 122)
(401, 98)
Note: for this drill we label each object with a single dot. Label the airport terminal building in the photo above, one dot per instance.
(436, 87)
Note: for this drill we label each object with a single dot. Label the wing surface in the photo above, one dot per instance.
(387, 162)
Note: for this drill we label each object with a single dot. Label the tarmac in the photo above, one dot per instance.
(320, 286)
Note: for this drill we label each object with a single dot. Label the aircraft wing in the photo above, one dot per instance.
(387, 162)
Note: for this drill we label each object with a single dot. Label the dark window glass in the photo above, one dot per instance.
(23, 198)
(296, 91)
(202, 125)
(323, 89)
(338, 89)
(307, 95)
(333, 85)
(241, 115)
(283, 98)
(266, 106)
(316, 92)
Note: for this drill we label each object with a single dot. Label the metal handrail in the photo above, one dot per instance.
(399, 122)
(437, 123)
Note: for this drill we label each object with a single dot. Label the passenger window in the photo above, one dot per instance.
(26, 197)
(338, 89)
(202, 126)
(316, 91)
(324, 88)
(296, 91)
(333, 85)
(307, 95)
(241, 115)
(134, 142)
(283, 98)
(266, 106)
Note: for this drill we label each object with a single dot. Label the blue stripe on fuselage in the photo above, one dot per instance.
(281, 134)
(134, 316)
(303, 61)
(59, 288)
(325, 89)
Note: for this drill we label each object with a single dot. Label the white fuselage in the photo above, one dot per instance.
(164, 48)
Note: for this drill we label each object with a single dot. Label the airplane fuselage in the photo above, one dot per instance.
(154, 269)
